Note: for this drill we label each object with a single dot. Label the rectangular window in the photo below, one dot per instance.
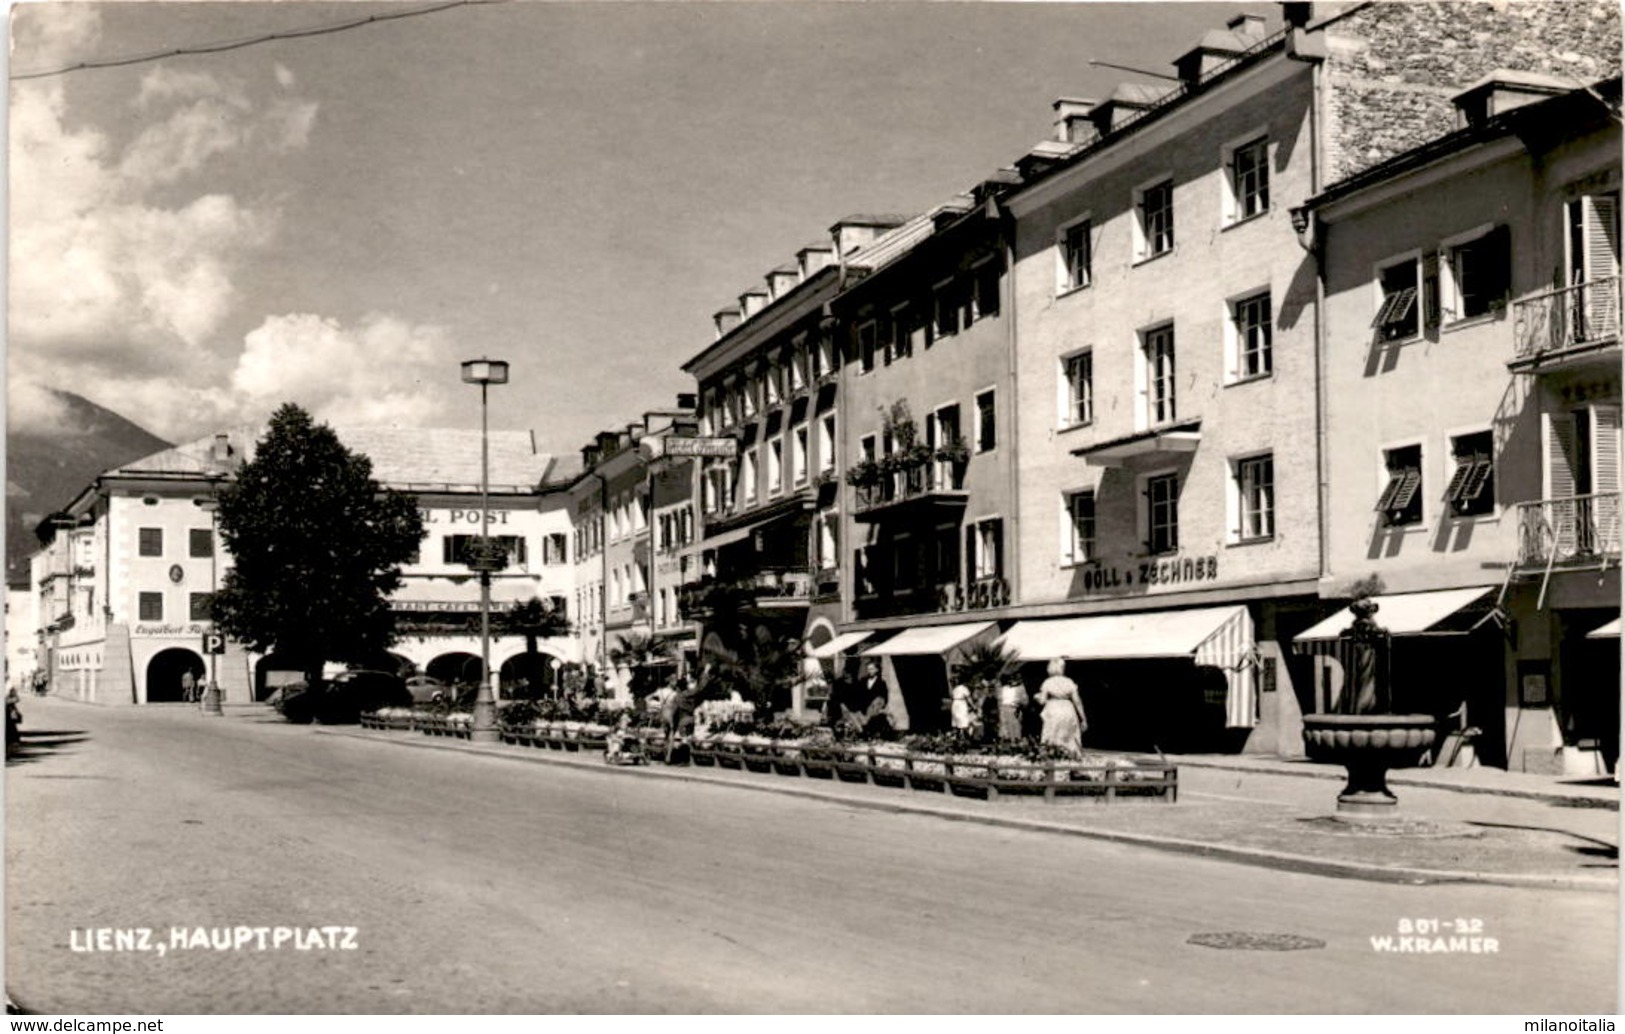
(775, 466)
(1079, 402)
(1255, 497)
(828, 360)
(826, 443)
(942, 431)
(894, 343)
(867, 339)
(150, 605)
(798, 368)
(198, 606)
(752, 395)
(1162, 513)
(1471, 492)
(1478, 274)
(1251, 324)
(1077, 257)
(1250, 179)
(913, 329)
(946, 305)
(987, 422)
(798, 455)
(553, 549)
(150, 541)
(200, 542)
(1156, 219)
(773, 384)
(1401, 501)
(829, 525)
(1159, 373)
(1080, 539)
(747, 476)
(985, 292)
(987, 548)
(1398, 313)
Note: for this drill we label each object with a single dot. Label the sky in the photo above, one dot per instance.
(339, 220)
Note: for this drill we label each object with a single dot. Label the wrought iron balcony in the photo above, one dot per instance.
(1578, 529)
(930, 482)
(1565, 321)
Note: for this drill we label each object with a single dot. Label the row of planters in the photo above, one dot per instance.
(949, 763)
(945, 763)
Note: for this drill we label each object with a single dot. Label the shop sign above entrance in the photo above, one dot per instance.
(1103, 578)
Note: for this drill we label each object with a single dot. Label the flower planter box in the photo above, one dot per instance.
(758, 753)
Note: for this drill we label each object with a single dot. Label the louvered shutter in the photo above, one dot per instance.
(1560, 462)
(1605, 477)
(1455, 492)
(1601, 225)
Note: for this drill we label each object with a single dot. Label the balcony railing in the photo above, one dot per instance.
(1567, 319)
(789, 583)
(926, 479)
(1574, 530)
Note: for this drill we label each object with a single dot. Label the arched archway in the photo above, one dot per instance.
(536, 669)
(164, 673)
(394, 663)
(454, 667)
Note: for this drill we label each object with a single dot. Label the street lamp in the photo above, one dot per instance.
(211, 691)
(485, 372)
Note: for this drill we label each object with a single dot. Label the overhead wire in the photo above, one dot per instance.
(223, 46)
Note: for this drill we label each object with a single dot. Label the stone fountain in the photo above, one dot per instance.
(1365, 736)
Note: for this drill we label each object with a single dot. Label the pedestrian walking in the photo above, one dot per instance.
(188, 686)
(1062, 711)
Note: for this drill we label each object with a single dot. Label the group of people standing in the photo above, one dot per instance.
(1056, 709)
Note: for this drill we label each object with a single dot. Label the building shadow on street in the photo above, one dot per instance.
(39, 744)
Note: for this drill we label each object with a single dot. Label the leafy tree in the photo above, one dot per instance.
(317, 548)
(639, 652)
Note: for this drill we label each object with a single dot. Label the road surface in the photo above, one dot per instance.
(472, 884)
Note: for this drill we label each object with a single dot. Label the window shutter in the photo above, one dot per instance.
(1477, 479)
(1409, 480)
(1431, 315)
(1455, 492)
(1385, 501)
(1069, 524)
(1601, 215)
(998, 544)
(1498, 263)
(1560, 455)
(1605, 449)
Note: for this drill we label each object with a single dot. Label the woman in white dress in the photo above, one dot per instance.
(1061, 710)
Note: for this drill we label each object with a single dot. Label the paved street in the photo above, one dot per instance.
(480, 884)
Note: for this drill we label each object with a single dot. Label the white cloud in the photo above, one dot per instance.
(125, 258)
(30, 405)
(284, 77)
(381, 371)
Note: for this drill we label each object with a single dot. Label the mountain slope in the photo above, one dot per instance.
(46, 468)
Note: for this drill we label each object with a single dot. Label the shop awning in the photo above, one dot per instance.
(1439, 612)
(932, 639)
(840, 644)
(1218, 637)
(1608, 631)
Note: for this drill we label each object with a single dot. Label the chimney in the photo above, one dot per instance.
(726, 320)
(220, 453)
(855, 231)
(1248, 25)
(814, 257)
(608, 442)
(753, 301)
(1072, 123)
(1297, 14)
(783, 280)
(1500, 92)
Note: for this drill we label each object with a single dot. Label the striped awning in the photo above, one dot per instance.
(1218, 637)
(1438, 612)
(840, 644)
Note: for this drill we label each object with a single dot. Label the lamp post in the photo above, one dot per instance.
(211, 689)
(485, 372)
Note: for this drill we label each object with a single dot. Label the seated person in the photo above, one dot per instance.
(864, 708)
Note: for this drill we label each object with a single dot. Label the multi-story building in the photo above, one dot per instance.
(1172, 503)
(1472, 376)
(927, 428)
(770, 381)
(125, 572)
(623, 579)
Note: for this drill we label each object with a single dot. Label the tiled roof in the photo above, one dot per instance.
(897, 242)
(400, 456)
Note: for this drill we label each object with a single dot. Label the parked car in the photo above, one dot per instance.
(342, 699)
(353, 693)
(424, 688)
